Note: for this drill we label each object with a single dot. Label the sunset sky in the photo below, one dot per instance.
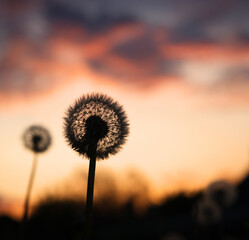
(179, 68)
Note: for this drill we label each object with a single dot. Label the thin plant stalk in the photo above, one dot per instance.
(27, 198)
(89, 198)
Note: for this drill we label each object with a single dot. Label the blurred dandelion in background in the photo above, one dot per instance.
(208, 213)
(95, 126)
(37, 139)
(222, 193)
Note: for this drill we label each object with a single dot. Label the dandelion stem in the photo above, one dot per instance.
(90, 191)
(26, 205)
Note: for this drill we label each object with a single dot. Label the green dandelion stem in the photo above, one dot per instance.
(89, 198)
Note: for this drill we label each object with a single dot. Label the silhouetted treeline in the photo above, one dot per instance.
(61, 218)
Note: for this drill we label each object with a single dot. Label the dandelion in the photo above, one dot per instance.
(37, 139)
(208, 212)
(222, 193)
(96, 127)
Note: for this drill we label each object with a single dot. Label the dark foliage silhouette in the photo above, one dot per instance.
(8, 228)
(62, 218)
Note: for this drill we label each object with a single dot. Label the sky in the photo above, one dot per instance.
(180, 69)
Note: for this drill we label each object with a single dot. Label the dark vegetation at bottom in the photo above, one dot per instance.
(63, 219)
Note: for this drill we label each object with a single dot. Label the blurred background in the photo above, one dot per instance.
(179, 68)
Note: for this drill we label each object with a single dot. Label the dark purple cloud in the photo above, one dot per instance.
(164, 22)
(186, 20)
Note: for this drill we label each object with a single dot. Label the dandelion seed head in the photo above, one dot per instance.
(37, 139)
(96, 120)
